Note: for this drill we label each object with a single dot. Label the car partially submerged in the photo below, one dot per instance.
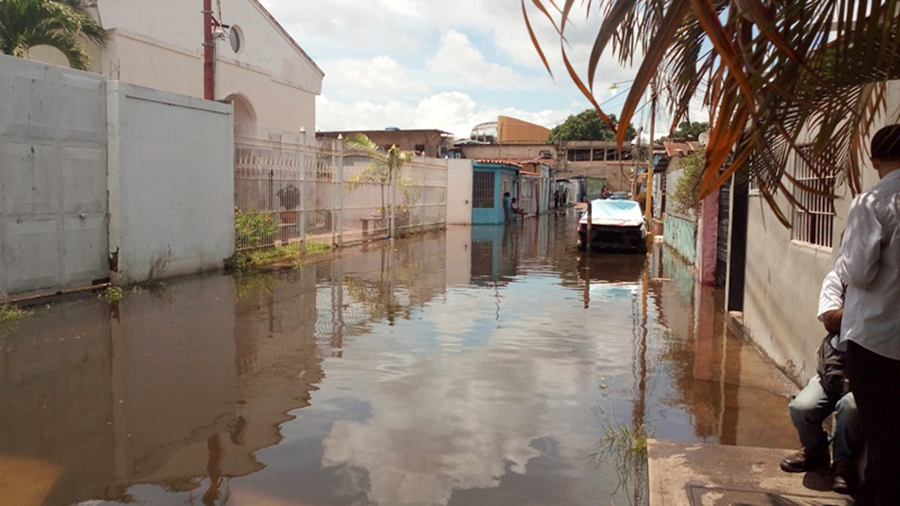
(617, 224)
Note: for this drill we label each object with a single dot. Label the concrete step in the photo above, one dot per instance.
(689, 474)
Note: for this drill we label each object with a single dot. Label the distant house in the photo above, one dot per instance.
(599, 164)
(429, 142)
(260, 68)
(490, 180)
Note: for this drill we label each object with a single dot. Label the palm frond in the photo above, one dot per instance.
(805, 79)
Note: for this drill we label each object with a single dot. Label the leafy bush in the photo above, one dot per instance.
(252, 228)
(686, 195)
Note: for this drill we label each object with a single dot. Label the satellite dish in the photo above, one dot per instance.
(235, 39)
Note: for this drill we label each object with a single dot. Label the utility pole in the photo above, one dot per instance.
(209, 53)
(648, 202)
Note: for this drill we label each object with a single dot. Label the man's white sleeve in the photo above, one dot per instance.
(831, 297)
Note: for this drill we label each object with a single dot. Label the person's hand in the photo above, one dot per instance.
(832, 320)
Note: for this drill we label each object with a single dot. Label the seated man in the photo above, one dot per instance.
(515, 208)
(827, 392)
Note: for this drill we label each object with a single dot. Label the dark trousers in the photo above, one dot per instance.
(874, 380)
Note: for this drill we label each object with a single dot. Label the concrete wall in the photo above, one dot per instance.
(171, 179)
(507, 151)
(52, 177)
(459, 192)
(707, 239)
(680, 234)
(783, 277)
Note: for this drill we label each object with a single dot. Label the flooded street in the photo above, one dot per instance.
(473, 366)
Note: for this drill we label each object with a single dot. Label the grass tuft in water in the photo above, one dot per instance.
(624, 446)
(261, 257)
(112, 294)
(11, 313)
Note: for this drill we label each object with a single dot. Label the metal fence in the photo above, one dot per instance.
(291, 189)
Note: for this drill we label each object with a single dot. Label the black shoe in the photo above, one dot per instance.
(845, 477)
(801, 461)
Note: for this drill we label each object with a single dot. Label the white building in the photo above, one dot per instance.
(159, 44)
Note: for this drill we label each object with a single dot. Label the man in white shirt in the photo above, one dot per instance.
(869, 264)
(826, 393)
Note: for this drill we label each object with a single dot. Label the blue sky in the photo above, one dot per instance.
(435, 64)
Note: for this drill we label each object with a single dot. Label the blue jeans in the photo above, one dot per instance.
(812, 406)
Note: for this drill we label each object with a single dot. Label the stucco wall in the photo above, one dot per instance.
(160, 45)
(680, 234)
(171, 179)
(783, 277)
(52, 177)
(459, 192)
(707, 239)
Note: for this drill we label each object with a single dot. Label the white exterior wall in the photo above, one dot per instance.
(52, 177)
(459, 192)
(160, 45)
(171, 182)
(783, 277)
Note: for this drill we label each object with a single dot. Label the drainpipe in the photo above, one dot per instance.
(209, 53)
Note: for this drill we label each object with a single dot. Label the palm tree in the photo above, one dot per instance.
(56, 23)
(770, 72)
(384, 168)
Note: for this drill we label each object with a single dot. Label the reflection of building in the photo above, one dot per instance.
(270, 79)
(493, 254)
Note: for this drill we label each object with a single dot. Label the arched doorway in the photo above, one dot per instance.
(244, 132)
(244, 114)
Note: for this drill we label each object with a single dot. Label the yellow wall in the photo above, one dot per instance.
(514, 131)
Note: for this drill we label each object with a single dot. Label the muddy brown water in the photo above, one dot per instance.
(474, 366)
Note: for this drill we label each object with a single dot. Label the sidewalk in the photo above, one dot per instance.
(683, 474)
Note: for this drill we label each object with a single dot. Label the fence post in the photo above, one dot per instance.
(422, 223)
(392, 231)
(303, 210)
(340, 192)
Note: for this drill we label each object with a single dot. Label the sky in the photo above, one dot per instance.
(443, 65)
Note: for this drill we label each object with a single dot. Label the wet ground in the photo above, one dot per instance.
(477, 366)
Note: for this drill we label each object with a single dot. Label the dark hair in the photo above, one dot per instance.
(886, 143)
(506, 194)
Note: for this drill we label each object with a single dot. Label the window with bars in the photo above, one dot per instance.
(813, 219)
(482, 189)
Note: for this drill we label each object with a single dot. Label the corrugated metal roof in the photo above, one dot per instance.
(499, 162)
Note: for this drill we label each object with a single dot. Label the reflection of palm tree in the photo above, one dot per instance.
(57, 23)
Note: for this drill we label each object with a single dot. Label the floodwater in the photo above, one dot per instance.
(476, 366)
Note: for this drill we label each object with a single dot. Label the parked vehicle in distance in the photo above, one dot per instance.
(617, 224)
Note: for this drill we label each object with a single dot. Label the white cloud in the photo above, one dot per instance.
(454, 112)
(456, 56)
(381, 74)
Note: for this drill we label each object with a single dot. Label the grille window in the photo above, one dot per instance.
(483, 189)
(814, 222)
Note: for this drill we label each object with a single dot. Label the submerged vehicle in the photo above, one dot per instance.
(617, 224)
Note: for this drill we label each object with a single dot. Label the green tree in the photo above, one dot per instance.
(587, 126)
(686, 195)
(690, 130)
(57, 23)
(771, 73)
